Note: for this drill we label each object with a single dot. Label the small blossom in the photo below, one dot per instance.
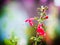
(46, 17)
(30, 21)
(40, 30)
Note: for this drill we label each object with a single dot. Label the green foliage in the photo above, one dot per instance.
(12, 41)
(8, 42)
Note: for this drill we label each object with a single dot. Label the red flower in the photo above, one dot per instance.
(30, 21)
(46, 17)
(40, 31)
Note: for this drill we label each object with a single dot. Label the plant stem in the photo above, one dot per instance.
(36, 39)
(35, 42)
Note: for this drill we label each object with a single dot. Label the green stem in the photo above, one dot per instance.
(35, 42)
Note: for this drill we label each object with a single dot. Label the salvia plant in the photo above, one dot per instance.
(39, 26)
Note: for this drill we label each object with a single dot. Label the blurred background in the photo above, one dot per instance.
(13, 13)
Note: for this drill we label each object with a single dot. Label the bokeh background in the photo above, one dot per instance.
(13, 13)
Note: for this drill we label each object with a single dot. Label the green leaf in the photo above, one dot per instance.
(33, 38)
(8, 42)
(39, 38)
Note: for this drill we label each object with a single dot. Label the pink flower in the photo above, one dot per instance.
(30, 20)
(40, 31)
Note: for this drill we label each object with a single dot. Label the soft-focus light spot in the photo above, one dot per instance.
(22, 42)
(52, 21)
(43, 1)
(14, 21)
(57, 2)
